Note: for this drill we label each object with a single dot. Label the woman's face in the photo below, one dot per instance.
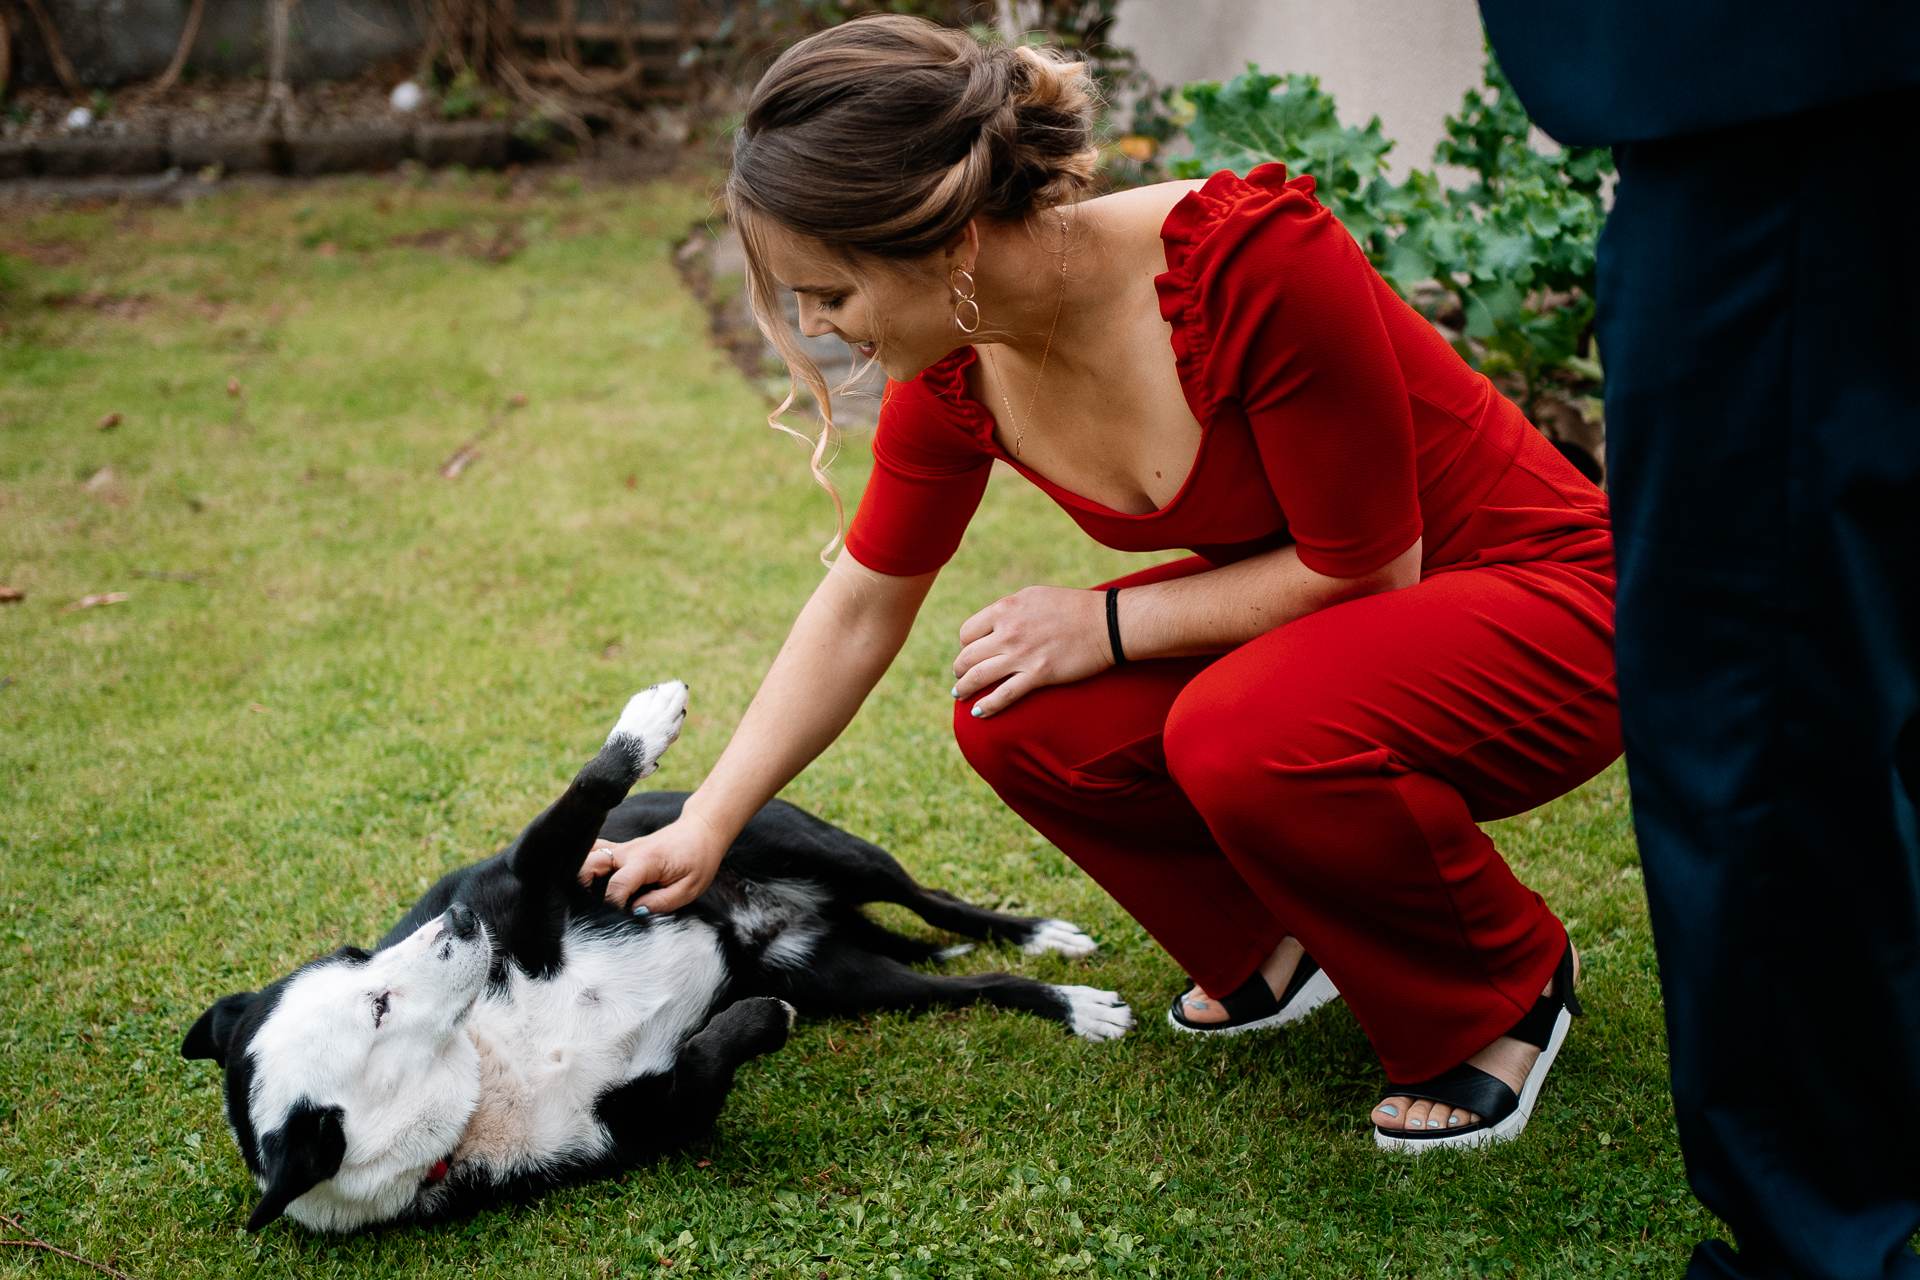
(900, 315)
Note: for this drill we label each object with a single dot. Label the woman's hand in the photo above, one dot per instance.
(1035, 637)
(680, 859)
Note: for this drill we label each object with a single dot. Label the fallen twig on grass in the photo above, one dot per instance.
(33, 1242)
(460, 458)
(457, 460)
(90, 602)
(11, 595)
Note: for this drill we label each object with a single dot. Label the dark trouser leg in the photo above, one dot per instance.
(1760, 321)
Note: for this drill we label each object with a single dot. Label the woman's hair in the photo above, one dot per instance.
(882, 138)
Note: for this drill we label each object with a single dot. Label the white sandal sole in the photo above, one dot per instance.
(1313, 993)
(1508, 1129)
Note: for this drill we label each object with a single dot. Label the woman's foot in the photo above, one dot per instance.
(1200, 1008)
(1507, 1060)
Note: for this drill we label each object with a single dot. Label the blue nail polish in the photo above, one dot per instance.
(976, 710)
(1453, 1120)
(954, 692)
(1392, 1111)
(641, 911)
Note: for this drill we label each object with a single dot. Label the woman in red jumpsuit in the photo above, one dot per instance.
(1396, 621)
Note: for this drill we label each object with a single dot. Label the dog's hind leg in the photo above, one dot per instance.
(841, 980)
(852, 927)
(656, 1114)
(785, 841)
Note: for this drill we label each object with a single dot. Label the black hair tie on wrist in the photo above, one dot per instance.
(1113, 625)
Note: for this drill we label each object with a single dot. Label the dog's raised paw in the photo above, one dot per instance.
(1061, 937)
(1093, 1014)
(650, 724)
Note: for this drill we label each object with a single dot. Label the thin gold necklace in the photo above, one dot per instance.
(1019, 424)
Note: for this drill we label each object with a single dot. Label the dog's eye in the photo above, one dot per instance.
(381, 1004)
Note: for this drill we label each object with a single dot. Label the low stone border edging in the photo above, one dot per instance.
(476, 144)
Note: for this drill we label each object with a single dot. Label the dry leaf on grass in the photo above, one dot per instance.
(88, 602)
(108, 421)
(11, 595)
(254, 706)
(233, 386)
(101, 479)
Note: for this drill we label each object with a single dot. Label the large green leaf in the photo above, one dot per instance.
(1512, 246)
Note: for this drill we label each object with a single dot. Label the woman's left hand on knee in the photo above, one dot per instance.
(1035, 637)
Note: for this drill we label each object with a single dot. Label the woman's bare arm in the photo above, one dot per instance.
(1054, 635)
(842, 643)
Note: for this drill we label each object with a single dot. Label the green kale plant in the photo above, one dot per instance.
(1513, 251)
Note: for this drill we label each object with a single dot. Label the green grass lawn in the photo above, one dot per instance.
(377, 674)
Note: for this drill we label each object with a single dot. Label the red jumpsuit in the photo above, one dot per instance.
(1323, 779)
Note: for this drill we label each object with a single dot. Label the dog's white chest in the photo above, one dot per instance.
(620, 1006)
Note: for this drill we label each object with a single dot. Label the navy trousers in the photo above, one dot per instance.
(1760, 322)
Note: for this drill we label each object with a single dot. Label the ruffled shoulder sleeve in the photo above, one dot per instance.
(1207, 227)
(1276, 317)
(932, 454)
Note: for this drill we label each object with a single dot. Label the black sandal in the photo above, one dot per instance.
(1503, 1113)
(1253, 1008)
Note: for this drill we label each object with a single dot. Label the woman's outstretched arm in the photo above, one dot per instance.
(842, 643)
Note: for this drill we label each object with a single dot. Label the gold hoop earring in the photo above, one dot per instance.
(960, 280)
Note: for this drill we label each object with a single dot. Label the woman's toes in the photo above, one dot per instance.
(1198, 1006)
(1459, 1118)
(1418, 1113)
(1392, 1113)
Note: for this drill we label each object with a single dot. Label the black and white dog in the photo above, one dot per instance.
(515, 1032)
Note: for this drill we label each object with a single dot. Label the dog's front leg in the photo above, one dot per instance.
(529, 915)
(554, 844)
(657, 1114)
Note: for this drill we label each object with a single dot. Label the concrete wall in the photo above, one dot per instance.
(1407, 61)
(115, 42)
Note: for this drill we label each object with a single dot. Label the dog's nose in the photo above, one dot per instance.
(461, 921)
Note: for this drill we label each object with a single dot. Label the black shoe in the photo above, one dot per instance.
(1253, 1008)
(1503, 1113)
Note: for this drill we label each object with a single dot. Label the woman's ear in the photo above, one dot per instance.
(964, 247)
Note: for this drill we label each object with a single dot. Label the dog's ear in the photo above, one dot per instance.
(212, 1034)
(297, 1157)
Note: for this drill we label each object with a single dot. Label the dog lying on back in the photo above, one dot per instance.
(515, 1032)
